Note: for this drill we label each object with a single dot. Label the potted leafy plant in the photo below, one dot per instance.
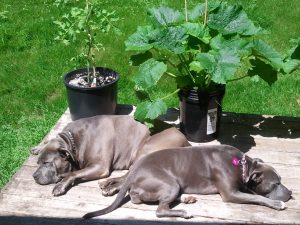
(201, 50)
(92, 90)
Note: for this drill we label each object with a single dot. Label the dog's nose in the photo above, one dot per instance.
(35, 176)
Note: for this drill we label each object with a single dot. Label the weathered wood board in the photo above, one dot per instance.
(276, 140)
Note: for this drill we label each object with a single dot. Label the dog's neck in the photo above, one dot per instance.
(244, 166)
(246, 169)
(68, 138)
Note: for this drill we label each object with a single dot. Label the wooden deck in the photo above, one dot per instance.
(276, 140)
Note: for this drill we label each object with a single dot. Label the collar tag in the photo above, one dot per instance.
(236, 162)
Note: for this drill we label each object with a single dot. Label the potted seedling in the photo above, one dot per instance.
(201, 50)
(91, 90)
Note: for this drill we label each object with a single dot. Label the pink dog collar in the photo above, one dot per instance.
(241, 162)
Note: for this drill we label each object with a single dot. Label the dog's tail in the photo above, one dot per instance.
(114, 205)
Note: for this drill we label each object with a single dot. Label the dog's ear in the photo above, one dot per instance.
(256, 177)
(255, 174)
(65, 153)
(257, 160)
(37, 149)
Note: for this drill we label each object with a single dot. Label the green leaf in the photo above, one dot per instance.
(149, 74)
(294, 51)
(196, 66)
(263, 70)
(171, 39)
(198, 30)
(232, 20)
(268, 53)
(150, 110)
(164, 15)
(207, 61)
(291, 65)
(220, 65)
(146, 37)
(199, 10)
(235, 44)
(139, 41)
(227, 62)
(255, 78)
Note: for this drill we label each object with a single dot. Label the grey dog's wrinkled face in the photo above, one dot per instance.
(52, 163)
(266, 182)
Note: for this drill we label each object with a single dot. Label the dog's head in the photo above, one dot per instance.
(264, 180)
(53, 161)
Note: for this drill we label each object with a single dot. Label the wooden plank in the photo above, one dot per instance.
(273, 139)
(91, 192)
(55, 208)
(226, 211)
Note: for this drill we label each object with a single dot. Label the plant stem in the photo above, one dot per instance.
(183, 61)
(90, 37)
(171, 74)
(185, 10)
(173, 93)
(165, 57)
(205, 13)
(171, 63)
(239, 78)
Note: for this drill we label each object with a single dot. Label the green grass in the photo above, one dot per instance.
(32, 95)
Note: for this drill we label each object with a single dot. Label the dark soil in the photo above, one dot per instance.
(83, 80)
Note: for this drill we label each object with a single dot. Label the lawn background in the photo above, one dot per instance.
(32, 95)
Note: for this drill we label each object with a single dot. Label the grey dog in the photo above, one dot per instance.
(161, 176)
(91, 148)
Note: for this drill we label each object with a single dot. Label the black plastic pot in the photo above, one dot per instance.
(200, 114)
(86, 102)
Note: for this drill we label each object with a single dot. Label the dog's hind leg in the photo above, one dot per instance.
(162, 189)
(168, 194)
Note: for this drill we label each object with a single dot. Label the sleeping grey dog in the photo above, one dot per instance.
(161, 176)
(91, 148)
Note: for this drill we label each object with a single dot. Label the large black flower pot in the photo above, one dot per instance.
(200, 114)
(85, 101)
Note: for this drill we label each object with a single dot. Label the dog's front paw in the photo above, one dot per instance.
(279, 205)
(188, 200)
(109, 191)
(109, 187)
(35, 150)
(187, 215)
(59, 189)
(107, 183)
